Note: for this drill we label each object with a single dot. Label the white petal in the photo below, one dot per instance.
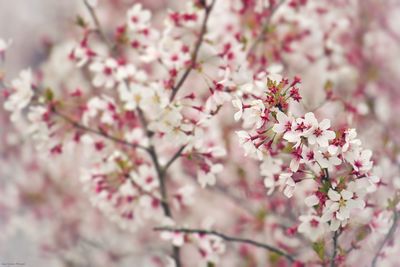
(325, 124)
(333, 195)
(334, 225)
(346, 194)
(294, 165)
(288, 192)
(311, 201)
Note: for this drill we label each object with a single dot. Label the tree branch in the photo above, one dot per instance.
(174, 157)
(161, 178)
(264, 28)
(388, 236)
(97, 132)
(334, 248)
(96, 22)
(193, 60)
(229, 239)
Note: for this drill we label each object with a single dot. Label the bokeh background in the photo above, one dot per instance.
(33, 25)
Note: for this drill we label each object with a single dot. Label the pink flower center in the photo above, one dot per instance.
(301, 127)
(314, 223)
(107, 71)
(310, 155)
(134, 19)
(149, 179)
(318, 132)
(358, 164)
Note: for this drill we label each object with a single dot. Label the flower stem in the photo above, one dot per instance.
(229, 239)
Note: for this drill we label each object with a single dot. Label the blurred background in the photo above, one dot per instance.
(29, 24)
(62, 215)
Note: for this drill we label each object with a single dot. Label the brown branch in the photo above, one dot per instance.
(193, 60)
(389, 236)
(264, 28)
(174, 157)
(334, 248)
(97, 132)
(141, 189)
(229, 238)
(161, 178)
(98, 29)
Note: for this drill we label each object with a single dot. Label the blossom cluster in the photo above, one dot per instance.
(292, 149)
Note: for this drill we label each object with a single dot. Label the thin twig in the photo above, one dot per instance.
(334, 248)
(99, 28)
(161, 178)
(229, 238)
(264, 28)
(97, 132)
(193, 60)
(174, 157)
(389, 236)
(141, 189)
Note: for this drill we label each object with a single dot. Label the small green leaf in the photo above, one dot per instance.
(319, 248)
(274, 258)
(48, 95)
(326, 185)
(362, 233)
(80, 21)
(261, 214)
(288, 149)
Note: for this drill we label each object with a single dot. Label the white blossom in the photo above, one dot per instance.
(22, 94)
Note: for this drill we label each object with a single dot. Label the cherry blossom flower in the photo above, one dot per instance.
(173, 53)
(284, 123)
(339, 205)
(254, 115)
(311, 200)
(360, 160)
(217, 99)
(132, 94)
(237, 103)
(287, 184)
(312, 227)
(326, 160)
(246, 142)
(108, 72)
(99, 105)
(38, 128)
(137, 136)
(210, 247)
(21, 95)
(269, 168)
(184, 196)
(104, 72)
(138, 18)
(81, 54)
(297, 130)
(309, 158)
(177, 238)
(145, 177)
(318, 133)
(171, 126)
(351, 142)
(207, 174)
